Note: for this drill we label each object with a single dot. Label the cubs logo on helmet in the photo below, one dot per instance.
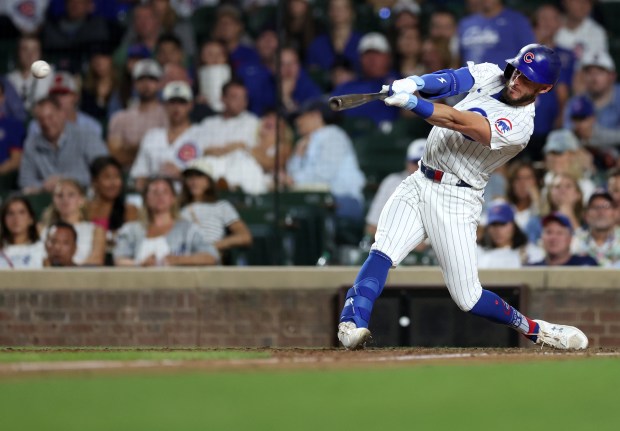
(536, 62)
(528, 57)
(503, 125)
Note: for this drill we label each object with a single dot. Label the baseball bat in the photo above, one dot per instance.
(349, 101)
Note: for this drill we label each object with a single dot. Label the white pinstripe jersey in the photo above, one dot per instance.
(511, 128)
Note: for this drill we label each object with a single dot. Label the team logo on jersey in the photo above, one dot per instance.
(503, 125)
(187, 152)
(27, 8)
(477, 111)
(528, 57)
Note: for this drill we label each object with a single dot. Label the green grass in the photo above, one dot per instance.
(571, 394)
(54, 355)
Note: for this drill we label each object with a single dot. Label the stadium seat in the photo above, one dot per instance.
(8, 184)
(39, 202)
(202, 21)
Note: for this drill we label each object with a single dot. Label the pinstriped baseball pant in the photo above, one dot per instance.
(446, 214)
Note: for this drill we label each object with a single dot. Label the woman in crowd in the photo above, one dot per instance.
(409, 52)
(523, 192)
(100, 96)
(265, 150)
(219, 221)
(20, 247)
(162, 238)
(504, 245)
(68, 205)
(301, 26)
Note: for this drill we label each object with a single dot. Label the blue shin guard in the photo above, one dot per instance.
(367, 288)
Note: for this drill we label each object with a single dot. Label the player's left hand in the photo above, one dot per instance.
(410, 85)
(402, 100)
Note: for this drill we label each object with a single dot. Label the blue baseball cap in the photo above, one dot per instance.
(558, 217)
(500, 212)
(580, 107)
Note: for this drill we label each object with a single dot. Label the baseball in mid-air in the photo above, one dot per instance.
(40, 69)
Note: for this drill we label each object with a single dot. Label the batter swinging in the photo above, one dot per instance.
(443, 199)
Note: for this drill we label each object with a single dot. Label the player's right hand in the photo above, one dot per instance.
(410, 85)
(402, 100)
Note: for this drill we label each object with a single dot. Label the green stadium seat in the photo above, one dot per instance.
(358, 126)
(39, 202)
(8, 184)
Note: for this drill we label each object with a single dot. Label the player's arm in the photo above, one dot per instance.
(437, 85)
(466, 122)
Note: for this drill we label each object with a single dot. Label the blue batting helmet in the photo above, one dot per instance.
(538, 63)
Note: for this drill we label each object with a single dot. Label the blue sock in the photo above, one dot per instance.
(492, 307)
(367, 288)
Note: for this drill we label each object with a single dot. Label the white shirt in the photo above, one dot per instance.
(507, 257)
(511, 128)
(219, 131)
(155, 150)
(587, 36)
(212, 218)
(22, 256)
(85, 235)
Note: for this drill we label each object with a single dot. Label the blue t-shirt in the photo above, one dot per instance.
(12, 135)
(321, 53)
(574, 260)
(494, 40)
(375, 110)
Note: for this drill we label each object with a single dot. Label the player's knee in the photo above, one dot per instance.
(466, 295)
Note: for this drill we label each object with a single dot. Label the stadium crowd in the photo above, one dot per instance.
(157, 110)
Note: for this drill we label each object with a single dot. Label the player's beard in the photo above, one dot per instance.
(520, 101)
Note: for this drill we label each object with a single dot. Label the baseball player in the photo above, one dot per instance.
(442, 200)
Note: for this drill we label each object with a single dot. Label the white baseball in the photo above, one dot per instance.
(40, 69)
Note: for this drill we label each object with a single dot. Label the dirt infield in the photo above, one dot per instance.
(298, 358)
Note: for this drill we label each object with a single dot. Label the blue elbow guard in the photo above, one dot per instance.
(446, 83)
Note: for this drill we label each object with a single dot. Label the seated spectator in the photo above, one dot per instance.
(218, 220)
(11, 105)
(405, 13)
(523, 193)
(601, 239)
(171, 23)
(409, 52)
(341, 72)
(166, 151)
(12, 136)
(265, 150)
(214, 71)
(162, 238)
(443, 26)
(60, 245)
(300, 26)
(107, 207)
(580, 33)
(229, 139)
(613, 187)
(64, 90)
(297, 87)
(324, 156)
(143, 31)
(341, 39)
(504, 245)
(68, 39)
(128, 127)
(19, 238)
(230, 29)
(415, 151)
(375, 62)
(599, 76)
(100, 96)
(488, 35)
(29, 88)
(59, 150)
(170, 50)
(68, 205)
(557, 236)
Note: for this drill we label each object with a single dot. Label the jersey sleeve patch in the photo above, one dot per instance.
(503, 125)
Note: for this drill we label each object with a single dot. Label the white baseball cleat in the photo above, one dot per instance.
(561, 336)
(351, 336)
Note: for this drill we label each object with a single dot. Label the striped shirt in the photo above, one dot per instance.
(212, 218)
(511, 128)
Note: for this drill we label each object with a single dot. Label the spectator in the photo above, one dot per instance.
(61, 245)
(64, 90)
(101, 96)
(341, 72)
(162, 238)
(218, 220)
(523, 193)
(556, 241)
(409, 52)
(12, 136)
(601, 239)
(324, 155)
(265, 150)
(143, 31)
(375, 63)
(436, 55)
(135, 53)
(301, 26)
(19, 238)
(504, 245)
(389, 184)
(68, 205)
(29, 88)
(11, 105)
(69, 38)
(297, 87)
(60, 149)
(166, 151)
(599, 75)
(229, 139)
(341, 40)
(613, 187)
(170, 50)
(213, 73)
(443, 26)
(580, 33)
(182, 29)
(128, 127)
(487, 36)
(107, 207)
(230, 29)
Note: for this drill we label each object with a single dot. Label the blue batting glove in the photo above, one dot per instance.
(402, 100)
(410, 85)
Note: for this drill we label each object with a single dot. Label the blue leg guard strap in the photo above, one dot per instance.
(367, 288)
